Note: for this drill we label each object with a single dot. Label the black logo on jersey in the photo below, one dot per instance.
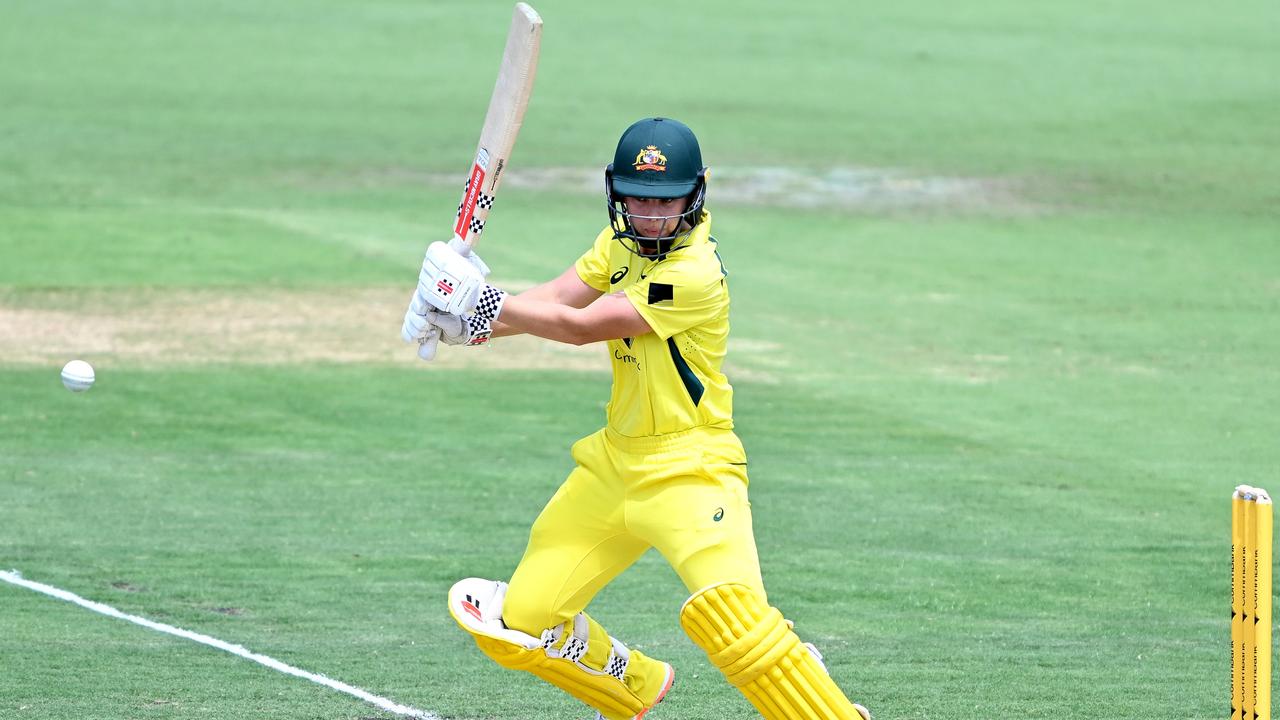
(719, 515)
(617, 277)
(626, 358)
(661, 292)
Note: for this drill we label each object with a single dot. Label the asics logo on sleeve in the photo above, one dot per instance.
(617, 276)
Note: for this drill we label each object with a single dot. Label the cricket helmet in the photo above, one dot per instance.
(656, 158)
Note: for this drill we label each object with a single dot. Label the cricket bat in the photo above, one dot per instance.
(502, 122)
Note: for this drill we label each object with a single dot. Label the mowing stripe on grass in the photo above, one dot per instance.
(14, 577)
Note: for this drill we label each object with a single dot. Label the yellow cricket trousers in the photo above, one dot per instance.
(682, 493)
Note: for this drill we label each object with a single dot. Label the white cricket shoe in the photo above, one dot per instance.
(813, 650)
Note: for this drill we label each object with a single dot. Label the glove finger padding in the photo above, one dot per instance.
(419, 304)
(415, 327)
(474, 258)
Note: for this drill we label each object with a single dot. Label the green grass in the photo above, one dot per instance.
(991, 449)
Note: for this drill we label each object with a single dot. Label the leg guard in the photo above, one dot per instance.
(577, 657)
(757, 651)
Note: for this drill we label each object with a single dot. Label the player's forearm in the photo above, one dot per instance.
(545, 292)
(567, 290)
(550, 320)
(501, 329)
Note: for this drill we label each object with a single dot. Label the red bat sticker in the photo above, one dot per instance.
(469, 200)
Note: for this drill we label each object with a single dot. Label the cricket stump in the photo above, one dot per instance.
(1251, 533)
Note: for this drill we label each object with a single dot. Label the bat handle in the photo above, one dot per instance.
(460, 246)
(428, 345)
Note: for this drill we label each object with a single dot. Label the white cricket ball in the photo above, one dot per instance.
(77, 376)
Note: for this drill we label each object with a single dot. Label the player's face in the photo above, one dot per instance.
(656, 217)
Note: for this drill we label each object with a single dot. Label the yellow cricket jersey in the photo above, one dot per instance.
(668, 380)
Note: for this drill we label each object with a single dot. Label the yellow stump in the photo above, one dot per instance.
(1237, 605)
(1262, 608)
(1251, 536)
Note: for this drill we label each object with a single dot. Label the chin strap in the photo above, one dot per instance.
(635, 248)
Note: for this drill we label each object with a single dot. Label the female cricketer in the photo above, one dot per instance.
(666, 471)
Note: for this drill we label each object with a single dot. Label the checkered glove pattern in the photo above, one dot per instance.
(490, 303)
(469, 330)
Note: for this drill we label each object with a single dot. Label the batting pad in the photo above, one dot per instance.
(577, 656)
(757, 651)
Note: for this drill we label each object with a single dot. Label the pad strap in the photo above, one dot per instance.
(575, 646)
(619, 659)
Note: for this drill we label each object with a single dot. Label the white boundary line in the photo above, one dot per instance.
(14, 577)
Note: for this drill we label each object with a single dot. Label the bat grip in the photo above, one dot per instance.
(428, 345)
(460, 246)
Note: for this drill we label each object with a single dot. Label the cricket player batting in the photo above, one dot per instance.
(666, 471)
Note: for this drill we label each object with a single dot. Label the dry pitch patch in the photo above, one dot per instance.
(167, 327)
(840, 188)
(183, 327)
(850, 189)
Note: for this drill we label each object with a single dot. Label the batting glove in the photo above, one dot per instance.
(489, 304)
(417, 323)
(449, 281)
(463, 329)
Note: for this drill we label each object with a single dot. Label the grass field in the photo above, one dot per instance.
(1006, 314)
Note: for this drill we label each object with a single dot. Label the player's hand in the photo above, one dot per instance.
(449, 281)
(418, 320)
(421, 327)
(474, 258)
(423, 324)
(462, 329)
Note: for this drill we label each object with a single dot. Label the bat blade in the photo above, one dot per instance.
(502, 123)
(510, 99)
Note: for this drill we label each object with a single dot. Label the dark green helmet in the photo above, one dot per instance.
(656, 158)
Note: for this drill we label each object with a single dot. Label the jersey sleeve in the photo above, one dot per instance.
(672, 302)
(593, 266)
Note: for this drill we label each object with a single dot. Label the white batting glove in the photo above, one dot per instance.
(420, 321)
(489, 303)
(417, 323)
(474, 258)
(463, 329)
(415, 328)
(449, 281)
(421, 328)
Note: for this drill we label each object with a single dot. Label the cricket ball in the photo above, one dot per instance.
(77, 376)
